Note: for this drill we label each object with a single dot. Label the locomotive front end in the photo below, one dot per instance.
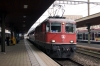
(61, 37)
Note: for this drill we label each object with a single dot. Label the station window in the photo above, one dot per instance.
(70, 27)
(55, 27)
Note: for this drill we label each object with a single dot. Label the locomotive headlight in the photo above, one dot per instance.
(63, 23)
(71, 41)
(53, 41)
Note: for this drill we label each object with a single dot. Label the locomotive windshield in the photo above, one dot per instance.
(56, 27)
(53, 27)
(70, 27)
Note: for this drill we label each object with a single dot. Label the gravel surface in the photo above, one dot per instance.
(67, 62)
(86, 60)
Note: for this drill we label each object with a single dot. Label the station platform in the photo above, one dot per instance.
(24, 54)
(89, 46)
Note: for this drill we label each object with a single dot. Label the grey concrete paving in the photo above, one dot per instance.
(24, 54)
(15, 55)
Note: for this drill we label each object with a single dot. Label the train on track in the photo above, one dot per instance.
(82, 35)
(56, 36)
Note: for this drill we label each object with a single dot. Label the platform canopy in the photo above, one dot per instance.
(22, 14)
(91, 19)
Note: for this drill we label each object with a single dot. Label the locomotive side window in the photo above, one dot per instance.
(48, 27)
(56, 27)
(70, 27)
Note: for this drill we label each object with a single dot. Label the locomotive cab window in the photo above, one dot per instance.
(55, 27)
(48, 27)
(70, 27)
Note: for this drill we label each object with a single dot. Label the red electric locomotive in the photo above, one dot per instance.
(57, 36)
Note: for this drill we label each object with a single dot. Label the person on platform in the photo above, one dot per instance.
(13, 40)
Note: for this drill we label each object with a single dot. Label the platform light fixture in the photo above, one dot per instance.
(25, 6)
(24, 16)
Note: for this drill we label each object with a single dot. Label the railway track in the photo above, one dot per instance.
(82, 57)
(89, 53)
(67, 62)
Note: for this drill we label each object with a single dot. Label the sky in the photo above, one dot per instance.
(79, 9)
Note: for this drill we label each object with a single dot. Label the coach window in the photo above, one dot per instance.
(98, 35)
(48, 27)
(70, 27)
(92, 34)
(83, 36)
(79, 36)
(86, 35)
(56, 27)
